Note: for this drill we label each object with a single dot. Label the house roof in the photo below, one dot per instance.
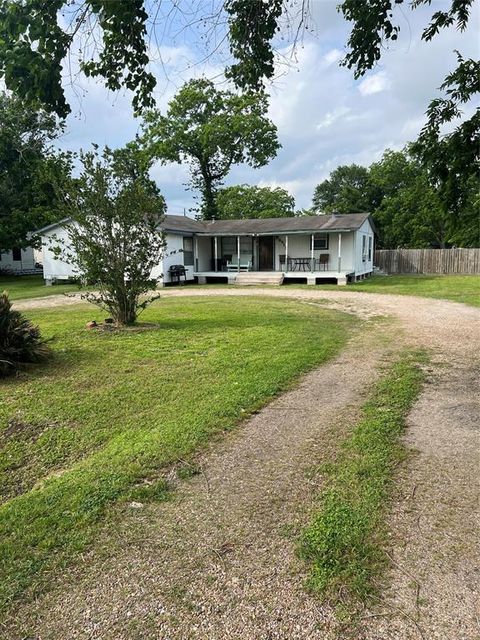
(182, 224)
(254, 226)
(54, 225)
(298, 224)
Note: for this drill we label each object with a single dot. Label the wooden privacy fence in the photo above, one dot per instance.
(466, 261)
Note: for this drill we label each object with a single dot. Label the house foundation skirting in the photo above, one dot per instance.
(309, 277)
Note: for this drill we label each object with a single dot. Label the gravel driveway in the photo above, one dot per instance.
(219, 560)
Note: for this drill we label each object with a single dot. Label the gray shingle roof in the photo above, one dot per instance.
(182, 224)
(299, 224)
(312, 224)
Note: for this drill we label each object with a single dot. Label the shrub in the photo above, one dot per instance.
(20, 340)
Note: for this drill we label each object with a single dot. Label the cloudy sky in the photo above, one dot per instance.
(324, 117)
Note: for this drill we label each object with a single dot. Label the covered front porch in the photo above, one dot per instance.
(275, 258)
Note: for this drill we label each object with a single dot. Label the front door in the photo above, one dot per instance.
(265, 253)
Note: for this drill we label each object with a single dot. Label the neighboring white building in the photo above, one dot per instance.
(310, 248)
(18, 261)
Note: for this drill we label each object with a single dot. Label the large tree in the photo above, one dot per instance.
(108, 38)
(347, 190)
(408, 210)
(211, 130)
(115, 240)
(245, 201)
(27, 198)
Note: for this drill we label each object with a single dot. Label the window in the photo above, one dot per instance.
(370, 245)
(364, 248)
(246, 245)
(16, 254)
(320, 241)
(230, 247)
(187, 252)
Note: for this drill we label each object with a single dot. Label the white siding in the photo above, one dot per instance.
(364, 266)
(26, 263)
(173, 255)
(54, 269)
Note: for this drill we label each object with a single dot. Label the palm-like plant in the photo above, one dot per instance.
(20, 340)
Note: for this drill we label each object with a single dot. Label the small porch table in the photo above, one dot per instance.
(299, 264)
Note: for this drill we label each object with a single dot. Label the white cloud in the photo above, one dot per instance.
(332, 116)
(374, 84)
(334, 55)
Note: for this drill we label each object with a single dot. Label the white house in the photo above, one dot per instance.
(312, 249)
(18, 261)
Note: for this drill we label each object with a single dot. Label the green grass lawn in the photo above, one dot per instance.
(457, 288)
(21, 287)
(103, 421)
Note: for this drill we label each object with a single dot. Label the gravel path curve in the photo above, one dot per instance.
(219, 561)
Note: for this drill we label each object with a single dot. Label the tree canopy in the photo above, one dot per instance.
(211, 130)
(109, 35)
(405, 202)
(245, 201)
(406, 208)
(347, 190)
(27, 162)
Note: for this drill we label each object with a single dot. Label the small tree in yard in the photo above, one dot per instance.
(20, 340)
(114, 236)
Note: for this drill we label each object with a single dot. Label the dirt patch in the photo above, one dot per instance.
(21, 462)
(60, 300)
(17, 429)
(433, 587)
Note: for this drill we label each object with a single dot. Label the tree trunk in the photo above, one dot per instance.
(126, 307)
(209, 205)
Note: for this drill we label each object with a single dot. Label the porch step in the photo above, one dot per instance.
(256, 277)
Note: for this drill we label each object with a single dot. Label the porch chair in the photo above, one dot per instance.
(323, 261)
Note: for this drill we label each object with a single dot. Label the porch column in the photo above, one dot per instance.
(286, 253)
(339, 252)
(195, 252)
(312, 258)
(238, 253)
(216, 253)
